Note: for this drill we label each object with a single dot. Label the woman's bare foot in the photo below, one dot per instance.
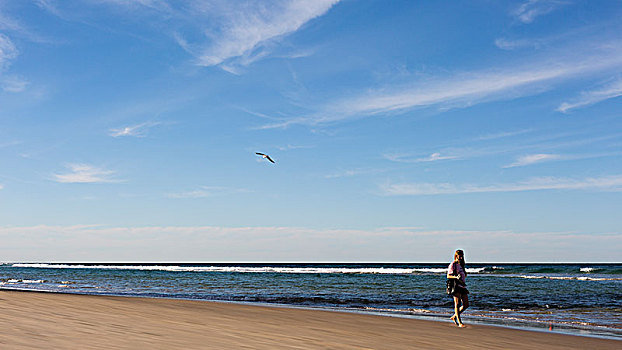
(461, 325)
(453, 318)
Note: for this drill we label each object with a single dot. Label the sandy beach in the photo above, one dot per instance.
(34, 320)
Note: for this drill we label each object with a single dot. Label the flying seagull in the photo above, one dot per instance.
(265, 156)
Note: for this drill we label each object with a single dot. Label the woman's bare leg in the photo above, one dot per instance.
(465, 303)
(457, 307)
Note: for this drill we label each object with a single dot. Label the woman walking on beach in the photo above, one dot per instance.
(457, 272)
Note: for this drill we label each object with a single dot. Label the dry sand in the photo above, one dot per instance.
(32, 320)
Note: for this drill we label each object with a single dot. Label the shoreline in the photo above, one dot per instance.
(41, 320)
(531, 326)
(526, 325)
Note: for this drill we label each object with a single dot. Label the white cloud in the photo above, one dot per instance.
(207, 191)
(14, 84)
(502, 134)
(84, 173)
(344, 173)
(403, 158)
(538, 158)
(458, 89)
(530, 10)
(201, 193)
(506, 44)
(533, 158)
(608, 183)
(8, 143)
(351, 172)
(160, 5)
(609, 91)
(434, 157)
(8, 51)
(466, 89)
(10, 24)
(246, 30)
(48, 5)
(290, 147)
(550, 143)
(228, 34)
(138, 130)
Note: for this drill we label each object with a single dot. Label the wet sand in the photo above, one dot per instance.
(33, 320)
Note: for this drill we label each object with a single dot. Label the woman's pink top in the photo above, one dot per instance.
(456, 269)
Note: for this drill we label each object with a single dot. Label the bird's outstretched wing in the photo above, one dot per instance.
(265, 156)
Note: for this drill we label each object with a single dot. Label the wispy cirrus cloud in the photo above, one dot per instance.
(502, 134)
(552, 143)
(11, 24)
(608, 183)
(138, 130)
(435, 157)
(532, 159)
(404, 158)
(463, 152)
(227, 34)
(532, 9)
(14, 83)
(8, 51)
(84, 173)
(154, 4)
(469, 87)
(351, 173)
(246, 30)
(207, 191)
(507, 44)
(466, 89)
(543, 157)
(290, 147)
(607, 91)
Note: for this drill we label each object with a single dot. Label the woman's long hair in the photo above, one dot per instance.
(460, 255)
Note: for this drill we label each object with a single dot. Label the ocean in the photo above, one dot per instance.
(583, 299)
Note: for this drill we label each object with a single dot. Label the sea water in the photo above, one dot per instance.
(577, 298)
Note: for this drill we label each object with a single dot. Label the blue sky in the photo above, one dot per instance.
(401, 130)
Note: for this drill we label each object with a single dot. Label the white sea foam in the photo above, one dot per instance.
(564, 278)
(293, 270)
(420, 311)
(430, 270)
(24, 281)
(527, 276)
(251, 269)
(410, 310)
(444, 270)
(598, 279)
(583, 278)
(586, 269)
(475, 270)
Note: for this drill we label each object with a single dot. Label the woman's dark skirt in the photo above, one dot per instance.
(460, 290)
